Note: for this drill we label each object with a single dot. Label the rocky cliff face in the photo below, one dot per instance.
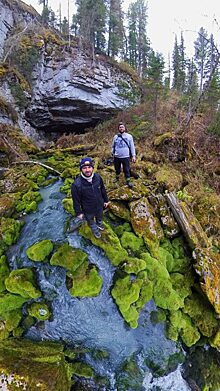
(76, 92)
(71, 89)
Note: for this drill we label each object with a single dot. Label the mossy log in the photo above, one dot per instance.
(39, 163)
(188, 223)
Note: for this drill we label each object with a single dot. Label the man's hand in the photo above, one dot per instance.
(133, 159)
(106, 204)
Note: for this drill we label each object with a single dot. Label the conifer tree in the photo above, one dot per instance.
(201, 46)
(116, 32)
(179, 65)
(138, 43)
(91, 16)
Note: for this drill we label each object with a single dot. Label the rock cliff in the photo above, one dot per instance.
(70, 89)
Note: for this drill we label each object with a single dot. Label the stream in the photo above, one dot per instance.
(94, 324)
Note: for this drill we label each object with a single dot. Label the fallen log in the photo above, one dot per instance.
(39, 163)
(188, 223)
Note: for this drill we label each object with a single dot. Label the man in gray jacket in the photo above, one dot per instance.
(123, 149)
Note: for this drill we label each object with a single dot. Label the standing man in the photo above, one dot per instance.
(89, 196)
(123, 149)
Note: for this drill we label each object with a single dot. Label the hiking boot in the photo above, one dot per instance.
(97, 234)
(100, 226)
(129, 184)
(115, 180)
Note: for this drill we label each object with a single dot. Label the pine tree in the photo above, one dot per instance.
(138, 43)
(201, 56)
(179, 66)
(91, 16)
(116, 32)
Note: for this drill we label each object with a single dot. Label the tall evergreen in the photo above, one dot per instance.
(138, 43)
(179, 66)
(91, 15)
(116, 32)
(201, 57)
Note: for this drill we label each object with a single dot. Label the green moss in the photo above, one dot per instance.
(4, 272)
(134, 265)
(69, 257)
(39, 251)
(146, 224)
(202, 314)
(120, 210)
(22, 282)
(109, 242)
(126, 293)
(130, 241)
(10, 302)
(9, 322)
(126, 227)
(68, 205)
(169, 178)
(181, 325)
(9, 230)
(86, 281)
(82, 370)
(159, 139)
(39, 311)
(29, 202)
(42, 364)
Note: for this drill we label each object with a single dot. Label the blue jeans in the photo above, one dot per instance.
(94, 219)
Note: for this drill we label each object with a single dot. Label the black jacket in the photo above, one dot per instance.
(88, 197)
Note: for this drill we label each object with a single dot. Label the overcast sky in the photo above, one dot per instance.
(167, 18)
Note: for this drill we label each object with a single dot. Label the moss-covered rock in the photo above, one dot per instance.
(207, 266)
(169, 224)
(68, 257)
(130, 241)
(202, 314)
(40, 311)
(146, 225)
(134, 265)
(130, 295)
(181, 325)
(68, 205)
(169, 178)
(39, 251)
(32, 366)
(82, 370)
(86, 281)
(109, 242)
(10, 302)
(120, 210)
(126, 227)
(29, 202)
(23, 283)
(9, 230)
(4, 272)
(9, 322)
(8, 204)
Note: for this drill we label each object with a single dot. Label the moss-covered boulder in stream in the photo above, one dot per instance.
(9, 232)
(10, 302)
(34, 366)
(29, 202)
(131, 242)
(39, 251)
(39, 311)
(86, 281)
(23, 283)
(109, 242)
(68, 257)
(130, 296)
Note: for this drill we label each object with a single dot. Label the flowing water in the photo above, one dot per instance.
(94, 324)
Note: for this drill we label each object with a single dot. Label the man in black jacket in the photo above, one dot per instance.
(89, 196)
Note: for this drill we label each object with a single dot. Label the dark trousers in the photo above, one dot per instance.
(94, 219)
(125, 163)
